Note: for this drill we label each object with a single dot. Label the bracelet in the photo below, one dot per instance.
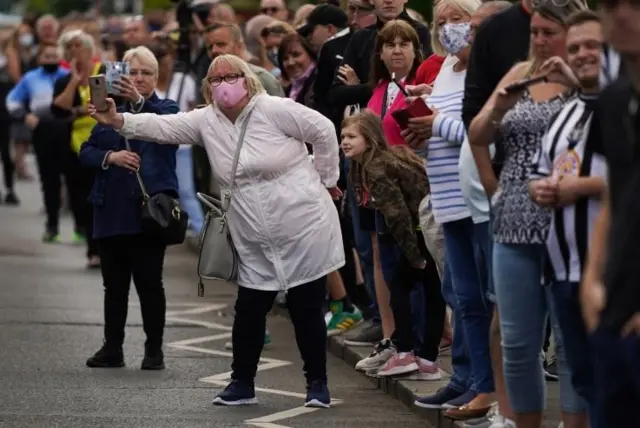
(495, 117)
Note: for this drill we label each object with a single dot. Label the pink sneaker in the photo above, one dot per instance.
(427, 370)
(400, 363)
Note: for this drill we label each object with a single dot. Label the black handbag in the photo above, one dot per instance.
(161, 215)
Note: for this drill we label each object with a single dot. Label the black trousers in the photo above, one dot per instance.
(348, 271)
(8, 166)
(404, 279)
(79, 181)
(53, 156)
(141, 258)
(306, 307)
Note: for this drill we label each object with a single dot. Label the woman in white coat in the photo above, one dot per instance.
(282, 218)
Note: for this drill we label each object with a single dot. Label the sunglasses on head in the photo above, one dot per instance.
(272, 30)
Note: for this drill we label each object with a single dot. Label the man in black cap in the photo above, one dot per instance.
(323, 23)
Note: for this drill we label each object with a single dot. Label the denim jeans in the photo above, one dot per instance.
(576, 368)
(470, 292)
(523, 308)
(362, 241)
(187, 188)
(484, 247)
(461, 378)
(616, 361)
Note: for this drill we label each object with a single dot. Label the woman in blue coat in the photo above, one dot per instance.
(125, 252)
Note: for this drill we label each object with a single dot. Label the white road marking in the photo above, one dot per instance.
(222, 379)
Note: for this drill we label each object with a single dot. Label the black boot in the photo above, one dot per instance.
(107, 357)
(153, 358)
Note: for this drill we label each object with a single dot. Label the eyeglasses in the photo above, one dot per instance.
(269, 10)
(229, 78)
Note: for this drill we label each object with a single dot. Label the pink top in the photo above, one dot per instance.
(389, 125)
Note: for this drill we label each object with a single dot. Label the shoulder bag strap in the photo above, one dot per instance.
(145, 195)
(227, 193)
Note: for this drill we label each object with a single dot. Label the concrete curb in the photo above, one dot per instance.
(402, 390)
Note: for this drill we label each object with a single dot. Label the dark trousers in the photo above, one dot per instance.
(8, 166)
(405, 277)
(141, 258)
(565, 299)
(616, 361)
(79, 180)
(306, 308)
(348, 271)
(53, 156)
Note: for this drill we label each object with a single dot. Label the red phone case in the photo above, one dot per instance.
(416, 109)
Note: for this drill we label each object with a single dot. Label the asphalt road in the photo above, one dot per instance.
(51, 321)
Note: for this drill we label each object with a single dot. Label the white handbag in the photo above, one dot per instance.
(218, 256)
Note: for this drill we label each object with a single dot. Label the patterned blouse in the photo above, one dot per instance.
(517, 218)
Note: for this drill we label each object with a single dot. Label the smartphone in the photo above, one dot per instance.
(98, 90)
(523, 84)
(114, 71)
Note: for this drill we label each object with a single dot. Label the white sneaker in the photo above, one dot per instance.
(499, 421)
(382, 352)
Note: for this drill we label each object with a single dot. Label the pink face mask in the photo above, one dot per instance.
(227, 95)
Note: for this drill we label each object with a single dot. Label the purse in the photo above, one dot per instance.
(161, 215)
(218, 256)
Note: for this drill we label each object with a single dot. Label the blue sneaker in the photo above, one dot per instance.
(318, 395)
(439, 398)
(461, 400)
(237, 393)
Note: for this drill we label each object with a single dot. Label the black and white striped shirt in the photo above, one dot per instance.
(564, 151)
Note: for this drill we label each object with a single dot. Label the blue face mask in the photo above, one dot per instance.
(455, 37)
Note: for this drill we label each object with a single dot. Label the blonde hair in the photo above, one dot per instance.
(144, 55)
(254, 87)
(558, 12)
(69, 36)
(466, 6)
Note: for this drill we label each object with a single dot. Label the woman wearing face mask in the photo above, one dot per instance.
(30, 101)
(20, 59)
(464, 288)
(281, 217)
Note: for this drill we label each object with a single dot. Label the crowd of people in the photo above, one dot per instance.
(461, 184)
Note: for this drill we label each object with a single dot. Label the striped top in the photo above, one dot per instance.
(564, 151)
(443, 150)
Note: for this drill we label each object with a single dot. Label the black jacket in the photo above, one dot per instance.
(358, 55)
(326, 70)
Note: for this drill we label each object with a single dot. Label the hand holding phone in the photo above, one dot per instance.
(98, 91)
(523, 84)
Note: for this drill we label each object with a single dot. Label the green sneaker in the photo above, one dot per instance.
(342, 321)
(77, 238)
(51, 238)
